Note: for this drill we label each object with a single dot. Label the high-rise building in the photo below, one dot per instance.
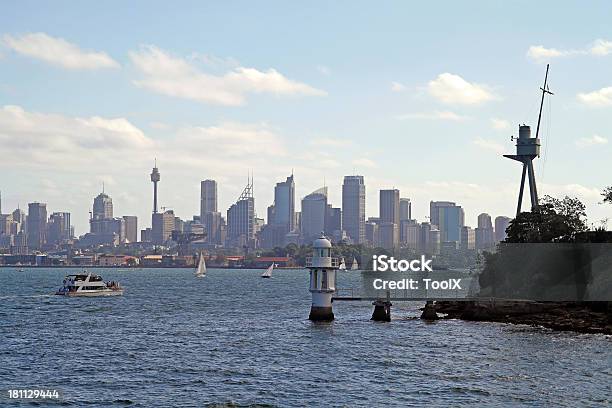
(405, 209)
(314, 213)
(449, 218)
(388, 235)
(333, 220)
(501, 224)
(37, 225)
(131, 228)
(208, 198)
(213, 222)
(241, 219)
(284, 205)
(162, 226)
(390, 206)
(102, 207)
(371, 232)
(59, 228)
(353, 208)
(485, 237)
(468, 238)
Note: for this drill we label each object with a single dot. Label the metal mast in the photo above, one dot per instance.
(527, 149)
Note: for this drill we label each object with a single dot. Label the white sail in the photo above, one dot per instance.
(201, 268)
(342, 265)
(268, 272)
(355, 265)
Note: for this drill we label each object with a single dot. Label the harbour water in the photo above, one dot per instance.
(234, 339)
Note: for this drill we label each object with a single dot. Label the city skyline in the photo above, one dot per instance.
(100, 110)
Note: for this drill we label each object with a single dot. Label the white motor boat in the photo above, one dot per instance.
(88, 284)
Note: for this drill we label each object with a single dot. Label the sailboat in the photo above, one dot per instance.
(200, 270)
(355, 265)
(268, 272)
(342, 265)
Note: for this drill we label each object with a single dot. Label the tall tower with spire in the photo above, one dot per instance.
(155, 177)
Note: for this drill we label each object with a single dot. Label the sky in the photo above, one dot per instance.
(418, 96)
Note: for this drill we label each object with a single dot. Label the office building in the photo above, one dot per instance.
(449, 218)
(485, 237)
(353, 208)
(37, 225)
(241, 220)
(284, 205)
(501, 224)
(313, 214)
(131, 228)
(208, 198)
(405, 209)
(162, 226)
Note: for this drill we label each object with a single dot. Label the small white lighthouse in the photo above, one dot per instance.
(322, 279)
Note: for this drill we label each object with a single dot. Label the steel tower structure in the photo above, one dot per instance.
(527, 149)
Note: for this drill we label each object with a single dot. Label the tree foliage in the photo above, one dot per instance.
(553, 220)
(607, 195)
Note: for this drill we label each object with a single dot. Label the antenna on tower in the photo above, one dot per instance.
(545, 91)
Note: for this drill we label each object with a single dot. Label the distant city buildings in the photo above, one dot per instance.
(353, 208)
(314, 213)
(241, 220)
(501, 224)
(445, 233)
(37, 225)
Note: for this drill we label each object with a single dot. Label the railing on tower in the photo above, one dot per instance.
(335, 262)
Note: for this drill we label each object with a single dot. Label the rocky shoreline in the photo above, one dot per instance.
(582, 317)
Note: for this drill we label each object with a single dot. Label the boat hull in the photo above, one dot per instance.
(92, 293)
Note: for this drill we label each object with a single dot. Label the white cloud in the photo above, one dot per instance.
(397, 87)
(591, 141)
(172, 76)
(541, 53)
(599, 48)
(453, 89)
(437, 115)
(602, 97)
(500, 124)
(364, 162)
(489, 144)
(58, 51)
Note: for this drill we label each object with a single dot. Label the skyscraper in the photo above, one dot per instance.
(484, 232)
(102, 207)
(208, 198)
(162, 225)
(59, 228)
(353, 208)
(449, 218)
(501, 224)
(131, 228)
(314, 211)
(284, 204)
(241, 219)
(390, 206)
(405, 209)
(37, 225)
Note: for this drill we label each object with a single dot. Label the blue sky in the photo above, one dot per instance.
(421, 97)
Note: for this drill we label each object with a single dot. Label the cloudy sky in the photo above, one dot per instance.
(420, 97)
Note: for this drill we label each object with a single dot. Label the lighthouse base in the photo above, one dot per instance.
(382, 311)
(321, 314)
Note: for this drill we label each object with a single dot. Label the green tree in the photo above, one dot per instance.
(607, 195)
(554, 220)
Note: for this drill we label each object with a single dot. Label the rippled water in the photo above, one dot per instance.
(234, 338)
